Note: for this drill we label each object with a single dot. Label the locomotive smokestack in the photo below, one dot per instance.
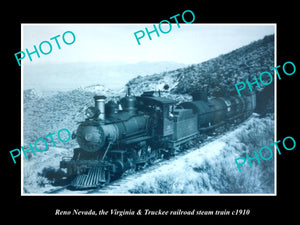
(100, 105)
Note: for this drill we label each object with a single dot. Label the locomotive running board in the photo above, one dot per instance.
(136, 139)
(184, 139)
(94, 178)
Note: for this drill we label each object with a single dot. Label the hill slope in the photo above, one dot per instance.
(219, 74)
(47, 114)
(69, 76)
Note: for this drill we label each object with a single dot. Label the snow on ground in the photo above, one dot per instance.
(200, 171)
(210, 169)
(33, 167)
(178, 174)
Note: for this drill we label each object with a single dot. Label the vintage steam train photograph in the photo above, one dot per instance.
(149, 119)
(147, 128)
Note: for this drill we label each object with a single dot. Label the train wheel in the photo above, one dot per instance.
(169, 153)
(107, 176)
(154, 155)
(142, 152)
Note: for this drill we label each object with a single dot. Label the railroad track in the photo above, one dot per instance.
(159, 163)
(132, 175)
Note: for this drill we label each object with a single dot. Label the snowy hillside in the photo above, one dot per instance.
(219, 74)
(45, 114)
(210, 169)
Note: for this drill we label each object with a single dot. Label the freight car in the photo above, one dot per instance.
(137, 130)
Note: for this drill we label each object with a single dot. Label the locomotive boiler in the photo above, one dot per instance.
(138, 130)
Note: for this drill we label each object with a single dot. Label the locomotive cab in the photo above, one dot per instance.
(162, 111)
(137, 130)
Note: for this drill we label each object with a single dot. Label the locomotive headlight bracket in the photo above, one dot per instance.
(92, 112)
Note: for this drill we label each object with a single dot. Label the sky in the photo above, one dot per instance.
(189, 44)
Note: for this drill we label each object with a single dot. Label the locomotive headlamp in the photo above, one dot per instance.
(91, 136)
(91, 112)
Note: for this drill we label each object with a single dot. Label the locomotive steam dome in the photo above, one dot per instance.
(90, 137)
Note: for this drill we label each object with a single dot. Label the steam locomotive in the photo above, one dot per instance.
(137, 130)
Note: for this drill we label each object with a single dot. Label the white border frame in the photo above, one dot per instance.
(204, 24)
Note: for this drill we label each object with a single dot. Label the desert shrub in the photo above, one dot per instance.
(219, 173)
(223, 172)
(52, 174)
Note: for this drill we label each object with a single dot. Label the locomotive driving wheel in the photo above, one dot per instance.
(143, 155)
(153, 155)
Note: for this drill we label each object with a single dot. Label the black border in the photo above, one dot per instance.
(263, 208)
